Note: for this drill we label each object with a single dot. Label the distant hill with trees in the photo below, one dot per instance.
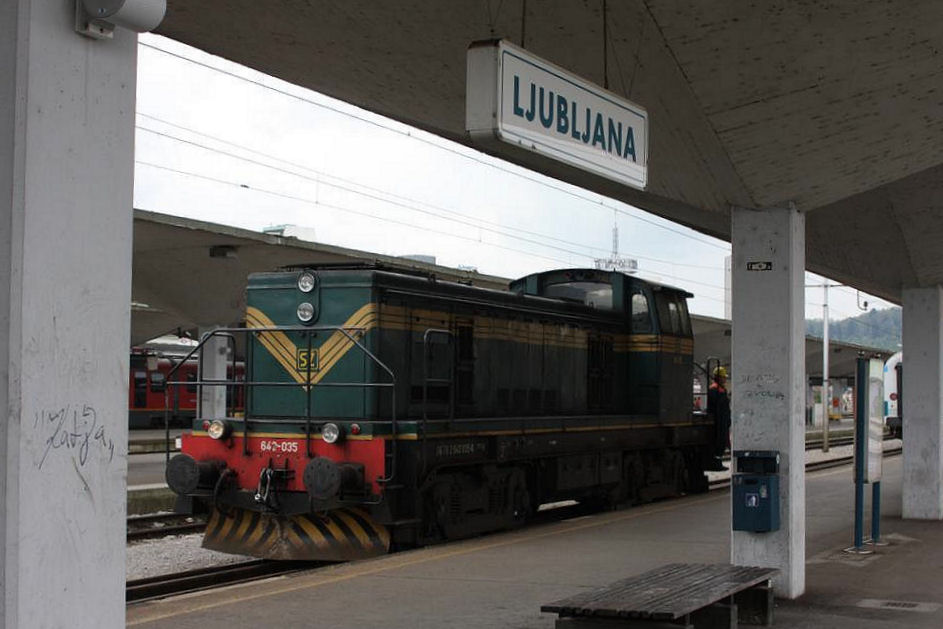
(875, 328)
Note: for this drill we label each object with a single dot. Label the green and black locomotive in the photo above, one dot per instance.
(385, 408)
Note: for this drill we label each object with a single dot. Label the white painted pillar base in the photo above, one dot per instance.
(213, 361)
(768, 378)
(66, 177)
(923, 403)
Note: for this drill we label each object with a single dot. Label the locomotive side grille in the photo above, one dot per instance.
(455, 506)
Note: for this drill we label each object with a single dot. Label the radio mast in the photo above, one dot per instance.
(615, 262)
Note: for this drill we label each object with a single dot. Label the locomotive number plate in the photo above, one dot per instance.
(304, 358)
(283, 447)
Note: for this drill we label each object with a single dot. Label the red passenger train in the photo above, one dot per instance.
(150, 395)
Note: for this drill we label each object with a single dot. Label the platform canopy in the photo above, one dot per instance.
(191, 274)
(834, 106)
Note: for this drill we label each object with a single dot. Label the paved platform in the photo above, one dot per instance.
(500, 581)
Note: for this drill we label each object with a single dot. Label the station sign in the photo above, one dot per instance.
(515, 97)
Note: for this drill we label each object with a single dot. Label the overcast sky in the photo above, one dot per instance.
(222, 143)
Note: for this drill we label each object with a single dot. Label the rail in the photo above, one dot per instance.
(152, 525)
(165, 585)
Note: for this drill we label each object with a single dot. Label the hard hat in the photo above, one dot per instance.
(720, 372)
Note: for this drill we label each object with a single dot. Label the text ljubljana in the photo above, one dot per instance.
(570, 118)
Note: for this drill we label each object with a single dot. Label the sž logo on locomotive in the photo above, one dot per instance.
(307, 359)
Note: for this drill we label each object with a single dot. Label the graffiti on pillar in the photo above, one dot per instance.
(74, 429)
(767, 380)
(770, 395)
(761, 378)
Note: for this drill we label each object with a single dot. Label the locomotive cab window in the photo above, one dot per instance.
(593, 294)
(641, 313)
(673, 314)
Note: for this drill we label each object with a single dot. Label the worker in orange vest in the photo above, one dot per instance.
(718, 410)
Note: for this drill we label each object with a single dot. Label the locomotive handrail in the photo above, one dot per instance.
(171, 383)
(307, 384)
(429, 333)
(199, 383)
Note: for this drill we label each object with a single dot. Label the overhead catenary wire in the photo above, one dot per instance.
(466, 152)
(320, 203)
(379, 194)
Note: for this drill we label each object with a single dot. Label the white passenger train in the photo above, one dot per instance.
(893, 394)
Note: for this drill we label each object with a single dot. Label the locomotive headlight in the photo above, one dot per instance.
(330, 432)
(305, 312)
(306, 282)
(219, 429)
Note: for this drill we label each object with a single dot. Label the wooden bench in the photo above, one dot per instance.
(695, 596)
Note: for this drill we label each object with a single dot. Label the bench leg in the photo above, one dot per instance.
(716, 616)
(616, 623)
(756, 605)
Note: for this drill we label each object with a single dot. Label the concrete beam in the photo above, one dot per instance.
(923, 414)
(66, 171)
(768, 377)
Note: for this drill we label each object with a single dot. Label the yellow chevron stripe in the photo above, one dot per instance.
(314, 533)
(299, 537)
(355, 528)
(289, 535)
(243, 526)
(339, 343)
(256, 534)
(285, 352)
(276, 343)
(278, 340)
(331, 525)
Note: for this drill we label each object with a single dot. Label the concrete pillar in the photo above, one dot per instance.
(768, 377)
(923, 403)
(213, 363)
(66, 173)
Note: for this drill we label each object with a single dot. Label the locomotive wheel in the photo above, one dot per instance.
(633, 475)
(679, 471)
(697, 480)
(520, 507)
(598, 502)
(438, 512)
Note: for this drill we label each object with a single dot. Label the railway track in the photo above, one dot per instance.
(192, 580)
(161, 524)
(205, 578)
